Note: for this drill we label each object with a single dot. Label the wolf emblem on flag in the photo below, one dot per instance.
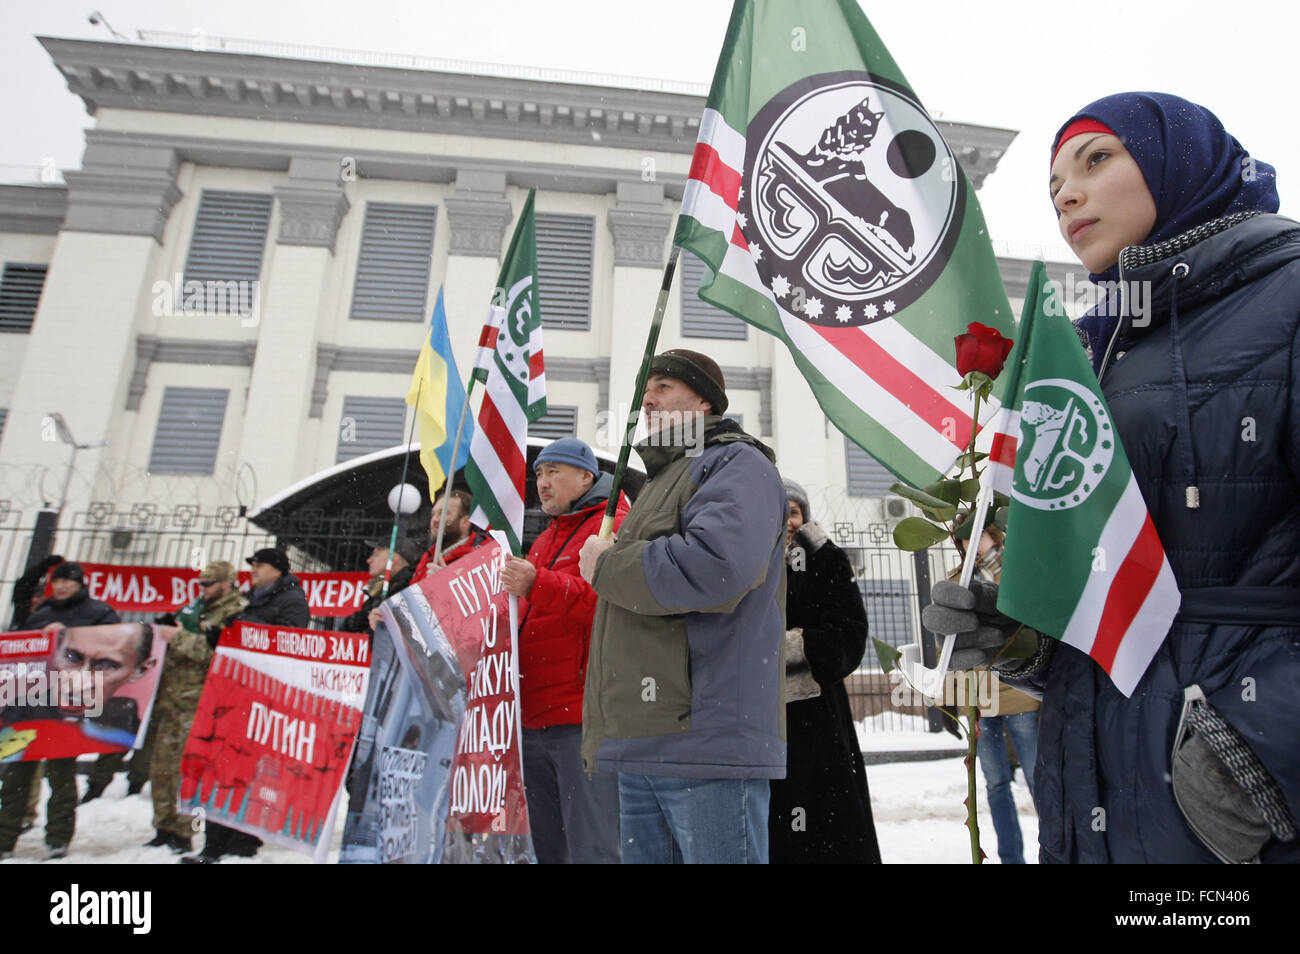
(1068, 445)
(850, 194)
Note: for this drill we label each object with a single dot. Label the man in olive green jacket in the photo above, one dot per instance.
(683, 695)
(189, 653)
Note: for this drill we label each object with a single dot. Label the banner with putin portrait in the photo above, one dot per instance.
(274, 731)
(74, 691)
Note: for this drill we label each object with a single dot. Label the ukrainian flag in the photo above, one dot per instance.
(438, 397)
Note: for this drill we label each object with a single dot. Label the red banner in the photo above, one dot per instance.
(274, 732)
(159, 589)
(69, 692)
(487, 786)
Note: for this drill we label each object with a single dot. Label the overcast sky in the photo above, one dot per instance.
(1016, 64)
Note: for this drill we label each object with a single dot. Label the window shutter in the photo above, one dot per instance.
(865, 475)
(557, 422)
(229, 237)
(20, 291)
(369, 424)
(189, 430)
(393, 268)
(564, 252)
(699, 318)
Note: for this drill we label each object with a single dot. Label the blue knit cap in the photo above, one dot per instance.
(1194, 170)
(568, 450)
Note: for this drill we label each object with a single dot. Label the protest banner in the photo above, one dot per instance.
(439, 769)
(159, 589)
(400, 786)
(274, 732)
(69, 692)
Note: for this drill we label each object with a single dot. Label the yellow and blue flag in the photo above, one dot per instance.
(438, 397)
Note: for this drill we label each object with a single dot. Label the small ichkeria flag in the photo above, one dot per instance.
(511, 365)
(1082, 561)
(834, 216)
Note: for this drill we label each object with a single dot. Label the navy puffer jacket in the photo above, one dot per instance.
(1102, 780)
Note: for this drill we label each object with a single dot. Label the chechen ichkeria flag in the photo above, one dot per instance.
(835, 217)
(1082, 561)
(510, 358)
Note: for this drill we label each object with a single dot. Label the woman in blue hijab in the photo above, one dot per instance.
(1203, 383)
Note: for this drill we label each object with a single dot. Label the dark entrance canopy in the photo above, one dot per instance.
(330, 515)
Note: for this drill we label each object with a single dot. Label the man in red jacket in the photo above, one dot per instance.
(459, 537)
(573, 816)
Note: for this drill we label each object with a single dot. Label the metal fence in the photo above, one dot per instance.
(144, 534)
(893, 583)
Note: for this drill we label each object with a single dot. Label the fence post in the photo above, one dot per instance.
(42, 545)
(929, 651)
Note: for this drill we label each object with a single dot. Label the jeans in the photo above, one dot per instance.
(996, 765)
(573, 816)
(721, 821)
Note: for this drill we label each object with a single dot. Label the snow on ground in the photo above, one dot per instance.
(917, 806)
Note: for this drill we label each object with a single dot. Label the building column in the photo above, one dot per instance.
(478, 213)
(81, 350)
(805, 441)
(639, 224)
(312, 205)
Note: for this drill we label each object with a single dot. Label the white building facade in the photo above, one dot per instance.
(231, 292)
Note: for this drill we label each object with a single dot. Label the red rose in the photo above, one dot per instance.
(981, 349)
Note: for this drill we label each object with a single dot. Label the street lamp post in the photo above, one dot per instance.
(47, 522)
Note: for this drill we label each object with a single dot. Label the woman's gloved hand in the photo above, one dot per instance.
(973, 616)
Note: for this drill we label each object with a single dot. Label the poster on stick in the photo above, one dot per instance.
(274, 732)
(440, 750)
(66, 692)
(400, 785)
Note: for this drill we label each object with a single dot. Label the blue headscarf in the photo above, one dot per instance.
(1194, 170)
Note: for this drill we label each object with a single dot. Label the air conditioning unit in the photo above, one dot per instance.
(895, 508)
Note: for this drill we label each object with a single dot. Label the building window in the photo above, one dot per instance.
(866, 477)
(564, 251)
(699, 318)
(189, 431)
(738, 418)
(393, 268)
(557, 422)
(20, 292)
(369, 424)
(4, 416)
(229, 239)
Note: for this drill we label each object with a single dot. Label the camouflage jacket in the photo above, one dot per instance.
(189, 653)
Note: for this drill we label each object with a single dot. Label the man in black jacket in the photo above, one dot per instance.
(72, 606)
(276, 598)
(405, 557)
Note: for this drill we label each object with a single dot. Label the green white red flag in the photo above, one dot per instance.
(1082, 561)
(834, 216)
(510, 364)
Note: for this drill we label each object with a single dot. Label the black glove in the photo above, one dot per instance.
(973, 616)
(49, 561)
(165, 619)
